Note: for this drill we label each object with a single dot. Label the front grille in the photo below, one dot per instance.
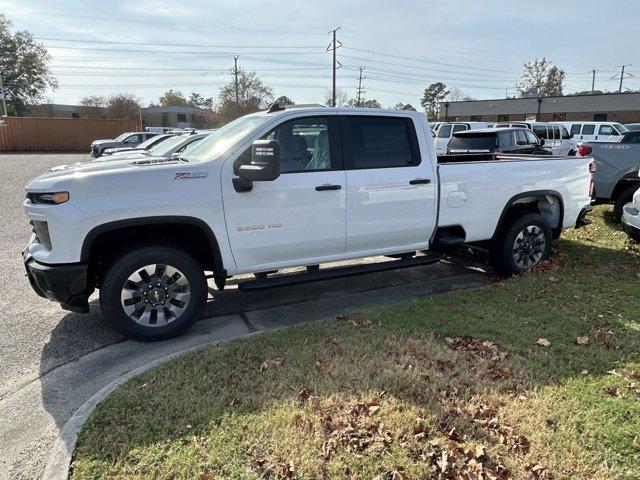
(41, 229)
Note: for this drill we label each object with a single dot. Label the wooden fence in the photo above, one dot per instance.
(19, 134)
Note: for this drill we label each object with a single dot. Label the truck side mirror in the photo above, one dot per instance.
(265, 163)
(542, 142)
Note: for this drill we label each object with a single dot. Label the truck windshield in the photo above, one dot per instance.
(226, 137)
(621, 128)
(121, 137)
(478, 141)
(164, 147)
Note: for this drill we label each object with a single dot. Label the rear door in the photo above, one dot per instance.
(391, 188)
(589, 132)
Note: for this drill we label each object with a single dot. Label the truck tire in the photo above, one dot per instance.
(625, 197)
(525, 241)
(153, 292)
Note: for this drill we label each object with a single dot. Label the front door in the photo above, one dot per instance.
(299, 218)
(391, 190)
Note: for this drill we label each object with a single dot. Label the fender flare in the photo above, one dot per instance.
(219, 272)
(531, 193)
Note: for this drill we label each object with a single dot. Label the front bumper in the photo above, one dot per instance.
(582, 220)
(66, 284)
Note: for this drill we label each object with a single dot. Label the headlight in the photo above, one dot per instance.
(52, 198)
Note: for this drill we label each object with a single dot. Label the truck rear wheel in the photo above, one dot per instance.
(524, 242)
(153, 292)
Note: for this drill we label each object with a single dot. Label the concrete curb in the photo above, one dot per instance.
(59, 463)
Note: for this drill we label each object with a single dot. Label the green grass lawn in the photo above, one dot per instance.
(452, 386)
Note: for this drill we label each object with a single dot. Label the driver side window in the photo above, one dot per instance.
(304, 145)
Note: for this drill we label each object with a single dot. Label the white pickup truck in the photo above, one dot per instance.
(284, 188)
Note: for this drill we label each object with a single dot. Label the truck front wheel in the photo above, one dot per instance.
(525, 241)
(625, 197)
(153, 292)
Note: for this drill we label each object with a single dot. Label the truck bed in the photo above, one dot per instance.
(473, 193)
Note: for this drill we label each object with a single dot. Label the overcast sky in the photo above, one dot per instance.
(477, 46)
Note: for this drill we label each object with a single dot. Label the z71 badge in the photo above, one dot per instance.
(189, 175)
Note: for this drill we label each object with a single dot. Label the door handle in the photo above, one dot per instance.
(419, 181)
(322, 188)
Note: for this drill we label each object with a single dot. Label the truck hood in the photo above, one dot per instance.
(122, 149)
(64, 176)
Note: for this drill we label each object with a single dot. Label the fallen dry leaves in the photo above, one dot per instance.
(481, 348)
(543, 342)
(582, 340)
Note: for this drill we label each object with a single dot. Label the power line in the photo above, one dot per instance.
(148, 44)
(428, 61)
(182, 52)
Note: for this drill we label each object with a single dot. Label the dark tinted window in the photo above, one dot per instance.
(540, 131)
(505, 140)
(556, 132)
(575, 129)
(444, 131)
(459, 128)
(633, 137)
(588, 129)
(381, 142)
(521, 137)
(473, 142)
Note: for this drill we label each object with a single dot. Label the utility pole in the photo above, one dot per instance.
(593, 81)
(622, 76)
(335, 44)
(3, 94)
(235, 73)
(360, 91)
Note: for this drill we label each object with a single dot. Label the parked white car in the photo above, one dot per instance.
(631, 217)
(278, 189)
(595, 131)
(557, 140)
(446, 130)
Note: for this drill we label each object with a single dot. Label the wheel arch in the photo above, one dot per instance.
(536, 201)
(108, 239)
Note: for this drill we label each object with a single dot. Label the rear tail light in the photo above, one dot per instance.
(584, 150)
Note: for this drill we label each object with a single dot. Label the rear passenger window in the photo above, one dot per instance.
(444, 131)
(556, 132)
(459, 128)
(588, 129)
(505, 140)
(575, 129)
(381, 142)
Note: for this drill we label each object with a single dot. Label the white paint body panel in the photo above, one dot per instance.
(375, 212)
(488, 186)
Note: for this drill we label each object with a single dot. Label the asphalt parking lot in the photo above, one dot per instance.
(39, 340)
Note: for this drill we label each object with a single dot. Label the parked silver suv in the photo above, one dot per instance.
(128, 139)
